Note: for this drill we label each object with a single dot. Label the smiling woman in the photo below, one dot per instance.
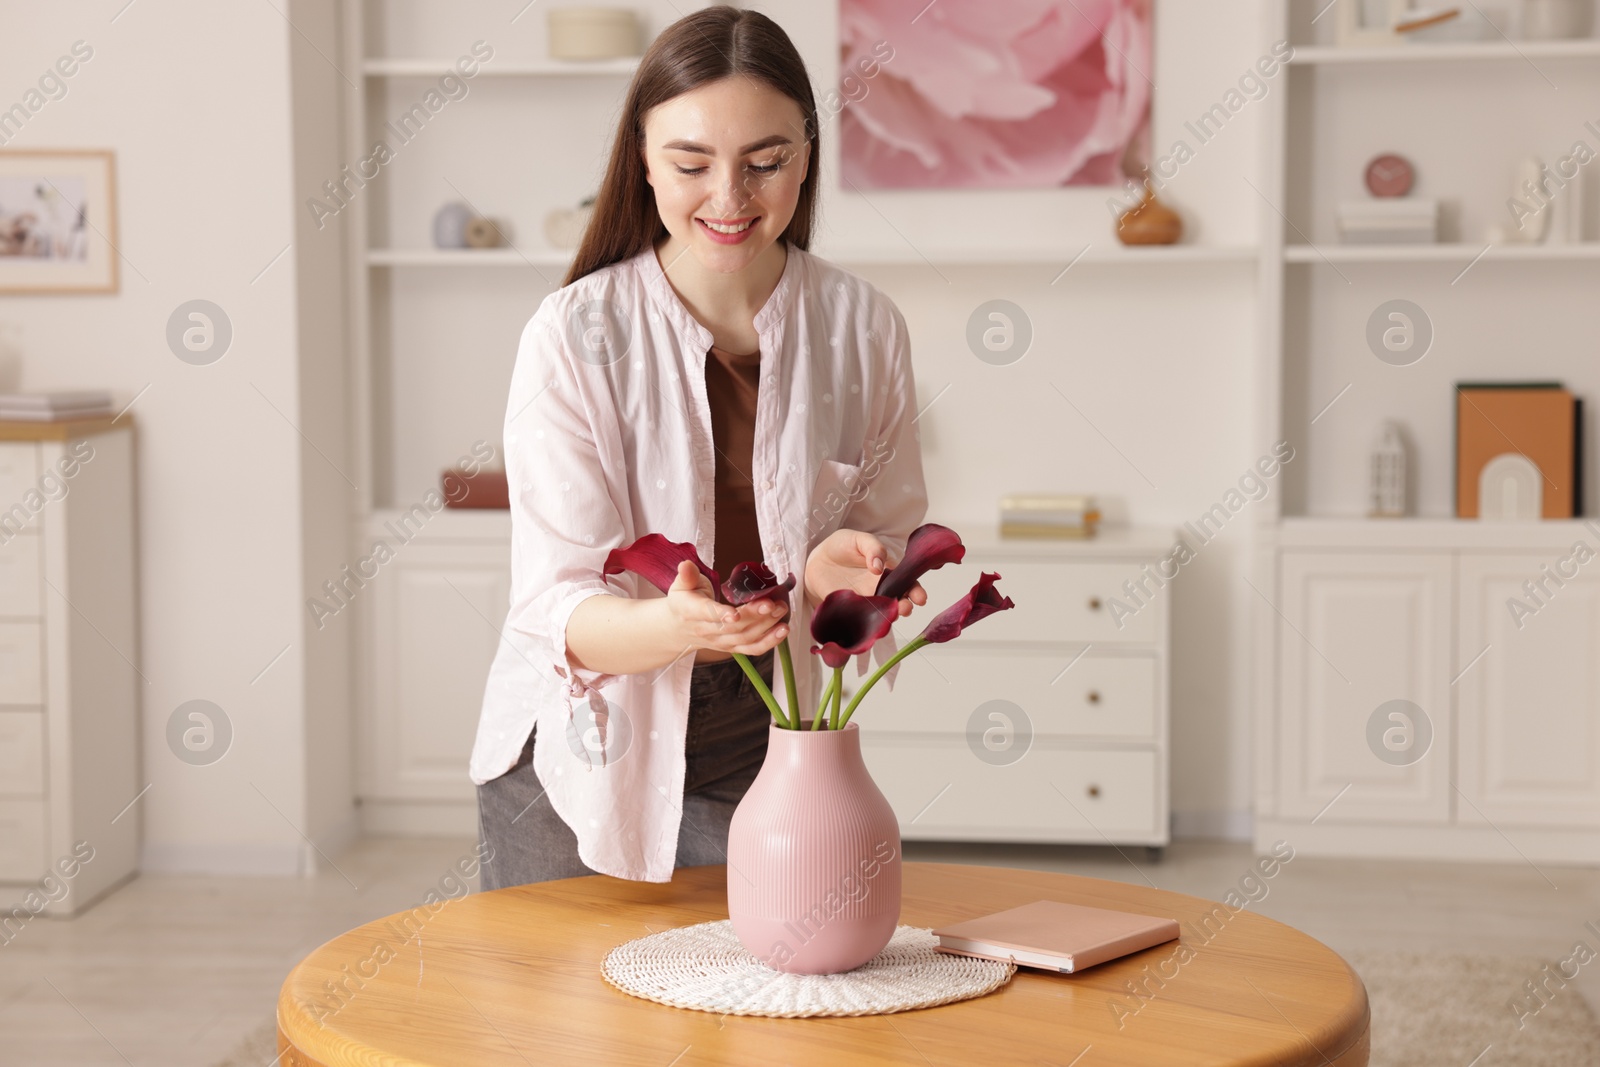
(699, 375)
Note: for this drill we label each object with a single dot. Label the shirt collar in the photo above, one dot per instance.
(666, 298)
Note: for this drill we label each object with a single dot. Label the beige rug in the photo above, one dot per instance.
(1432, 1010)
(1427, 1011)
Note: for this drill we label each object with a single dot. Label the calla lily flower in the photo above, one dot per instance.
(846, 624)
(930, 546)
(981, 601)
(656, 559)
(750, 582)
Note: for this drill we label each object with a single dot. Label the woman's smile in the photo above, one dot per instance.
(728, 231)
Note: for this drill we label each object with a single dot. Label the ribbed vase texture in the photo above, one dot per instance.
(814, 856)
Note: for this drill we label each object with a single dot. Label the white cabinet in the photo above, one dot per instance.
(1077, 673)
(1046, 722)
(69, 693)
(1363, 629)
(432, 627)
(1530, 704)
(1494, 639)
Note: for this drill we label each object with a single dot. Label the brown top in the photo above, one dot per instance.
(731, 382)
(731, 388)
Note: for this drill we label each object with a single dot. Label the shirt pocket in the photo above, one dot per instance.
(838, 487)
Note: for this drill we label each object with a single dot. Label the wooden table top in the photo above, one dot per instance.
(513, 977)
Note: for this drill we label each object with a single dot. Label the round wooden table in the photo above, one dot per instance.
(512, 977)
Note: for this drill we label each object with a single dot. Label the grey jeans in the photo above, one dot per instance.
(726, 743)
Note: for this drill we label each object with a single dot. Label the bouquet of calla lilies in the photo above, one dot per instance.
(845, 623)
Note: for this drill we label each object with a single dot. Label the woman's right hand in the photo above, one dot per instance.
(701, 621)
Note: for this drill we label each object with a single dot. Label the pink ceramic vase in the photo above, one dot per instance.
(814, 856)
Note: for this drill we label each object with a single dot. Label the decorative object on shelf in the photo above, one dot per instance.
(1388, 474)
(1417, 21)
(58, 222)
(483, 233)
(1369, 22)
(564, 226)
(1052, 515)
(813, 831)
(483, 488)
(590, 33)
(1528, 221)
(1389, 221)
(987, 96)
(1390, 175)
(1550, 20)
(1543, 418)
(450, 225)
(1473, 22)
(1149, 222)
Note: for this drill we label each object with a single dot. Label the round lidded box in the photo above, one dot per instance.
(593, 32)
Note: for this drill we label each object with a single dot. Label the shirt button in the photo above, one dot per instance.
(767, 484)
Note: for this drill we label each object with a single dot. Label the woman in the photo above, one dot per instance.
(702, 376)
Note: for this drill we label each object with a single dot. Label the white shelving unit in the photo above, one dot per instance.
(1356, 612)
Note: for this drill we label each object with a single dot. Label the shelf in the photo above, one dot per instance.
(541, 257)
(1578, 48)
(548, 68)
(1464, 253)
(1434, 534)
(1109, 254)
(468, 257)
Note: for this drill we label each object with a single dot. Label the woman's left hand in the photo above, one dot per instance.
(853, 559)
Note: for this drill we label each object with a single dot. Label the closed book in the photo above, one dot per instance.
(59, 401)
(53, 414)
(1055, 936)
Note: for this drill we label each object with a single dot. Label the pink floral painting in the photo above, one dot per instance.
(993, 94)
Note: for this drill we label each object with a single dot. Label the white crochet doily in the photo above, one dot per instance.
(706, 968)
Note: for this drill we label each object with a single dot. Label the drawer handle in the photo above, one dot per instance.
(1094, 603)
(1094, 790)
(1093, 696)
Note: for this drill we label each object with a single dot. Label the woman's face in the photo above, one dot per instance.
(728, 156)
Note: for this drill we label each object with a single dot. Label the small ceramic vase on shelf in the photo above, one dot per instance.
(1149, 222)
(814, 856)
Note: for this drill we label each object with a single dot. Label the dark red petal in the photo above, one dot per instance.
(754, 581)
(655, 559)
(930, 546)
(979, 602)
(846, 624)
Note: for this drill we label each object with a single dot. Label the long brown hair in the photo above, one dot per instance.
(704, 47)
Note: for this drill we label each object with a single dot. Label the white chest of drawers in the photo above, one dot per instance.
(69, 691)
(1046, 722)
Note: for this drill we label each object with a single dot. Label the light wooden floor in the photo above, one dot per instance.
(173, 970)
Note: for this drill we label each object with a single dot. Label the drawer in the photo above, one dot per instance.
(22, 837)
(19, 576)
(21, 753)
(938, 689)
(21, 668)
(1056, 792)
(1056, 601)
(19, 474)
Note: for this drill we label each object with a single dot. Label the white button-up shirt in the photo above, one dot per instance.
(608, 438)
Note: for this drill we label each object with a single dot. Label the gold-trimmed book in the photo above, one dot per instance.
(1061, 515)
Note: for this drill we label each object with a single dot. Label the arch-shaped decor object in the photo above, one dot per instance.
(1510, 487)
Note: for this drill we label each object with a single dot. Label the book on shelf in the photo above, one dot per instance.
(56, 407)
(1048, 515)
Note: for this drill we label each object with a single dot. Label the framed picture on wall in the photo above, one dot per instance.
(58, 221)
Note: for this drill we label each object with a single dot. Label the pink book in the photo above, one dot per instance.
(1055, 936)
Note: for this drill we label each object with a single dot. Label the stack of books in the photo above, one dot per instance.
(1389, 221)
(56, 407)
(1047, 515)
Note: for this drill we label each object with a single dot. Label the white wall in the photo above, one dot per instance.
(194, 98)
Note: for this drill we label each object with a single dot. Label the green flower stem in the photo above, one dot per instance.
(911, 646)
(761, 687)
(788, 684)
(838, 693)
(827, 696)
